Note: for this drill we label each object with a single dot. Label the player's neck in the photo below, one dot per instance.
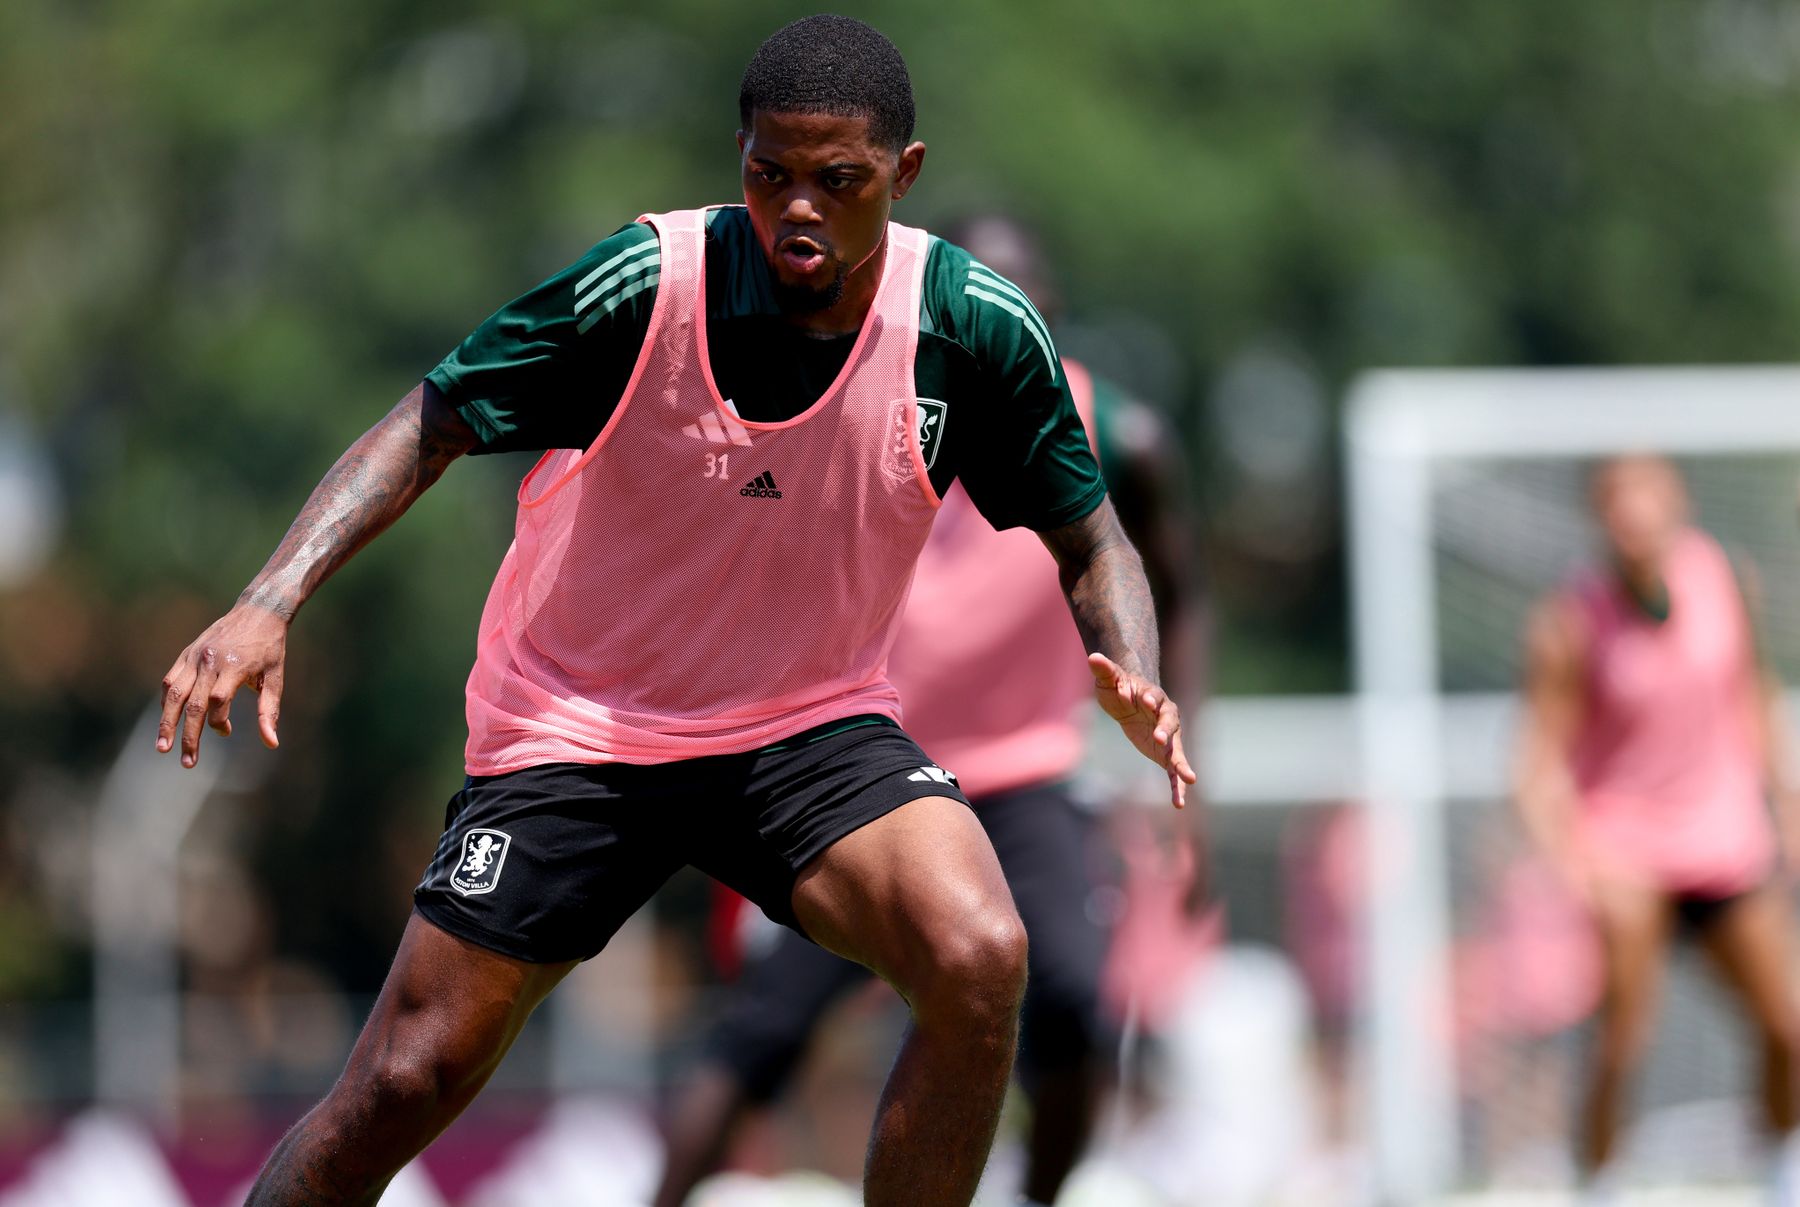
(1646, 586)
(846, 315)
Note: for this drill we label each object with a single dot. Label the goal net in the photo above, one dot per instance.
(1467, 495)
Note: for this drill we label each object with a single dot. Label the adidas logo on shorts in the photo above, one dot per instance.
(761, 487)
(933, 775)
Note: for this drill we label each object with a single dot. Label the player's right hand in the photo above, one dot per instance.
(247, 647)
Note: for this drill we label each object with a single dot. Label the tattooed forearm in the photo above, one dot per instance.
(287, 1179)
(1152, 500)
(329, 1159)
(1108, 593)
(370, 487)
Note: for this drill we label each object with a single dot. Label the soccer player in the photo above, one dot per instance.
(1651, 744)
(680, 661)
(990, 676)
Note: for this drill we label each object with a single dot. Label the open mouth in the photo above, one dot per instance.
(802, 255)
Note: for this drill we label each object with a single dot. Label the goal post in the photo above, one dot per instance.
(1413, 439)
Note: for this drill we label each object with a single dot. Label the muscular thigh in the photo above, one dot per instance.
(801, 810)
(887, 893)
(1634, 921)
(1747, 939)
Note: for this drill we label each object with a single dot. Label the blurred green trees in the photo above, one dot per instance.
(232, 234)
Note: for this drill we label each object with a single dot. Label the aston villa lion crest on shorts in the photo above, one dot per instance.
(483, 855)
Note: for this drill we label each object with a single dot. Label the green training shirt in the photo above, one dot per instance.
(547, 369)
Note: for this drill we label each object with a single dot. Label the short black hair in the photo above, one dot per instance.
(831, 64)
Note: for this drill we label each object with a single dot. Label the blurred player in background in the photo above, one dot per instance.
(1652, 745)
(682, 657)
(990, 675)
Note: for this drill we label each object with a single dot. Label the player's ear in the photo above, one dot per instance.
(912, 158)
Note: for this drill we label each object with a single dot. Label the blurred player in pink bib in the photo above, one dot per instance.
(1652, 746)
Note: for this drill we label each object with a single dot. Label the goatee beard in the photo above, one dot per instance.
(798, 299)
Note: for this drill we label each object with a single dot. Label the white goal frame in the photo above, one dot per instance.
(1399, 426)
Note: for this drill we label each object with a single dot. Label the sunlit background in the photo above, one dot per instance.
(232, 234)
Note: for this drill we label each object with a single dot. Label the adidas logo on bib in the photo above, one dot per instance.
(761, 487)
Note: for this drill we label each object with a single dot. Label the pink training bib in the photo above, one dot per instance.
(991, 671)
(1668, 759)
(695, 583)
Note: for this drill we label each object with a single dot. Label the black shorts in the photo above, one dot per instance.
(1698, 913)
(545, 864)
(1043, 842)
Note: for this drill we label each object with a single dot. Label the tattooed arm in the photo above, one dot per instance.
(370, 487)
(1109, 596)
(1144, 482)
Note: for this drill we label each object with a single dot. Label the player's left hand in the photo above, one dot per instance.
(1148, 717)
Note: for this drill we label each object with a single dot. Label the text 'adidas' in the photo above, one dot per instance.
(761, 487)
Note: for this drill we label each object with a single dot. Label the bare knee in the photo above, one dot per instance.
(415, 1081)
(976, 968)
(389, 1085)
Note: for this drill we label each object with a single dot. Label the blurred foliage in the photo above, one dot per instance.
(231, 234)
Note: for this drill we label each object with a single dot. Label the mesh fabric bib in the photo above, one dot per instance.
(694, 583)
(1668, 760)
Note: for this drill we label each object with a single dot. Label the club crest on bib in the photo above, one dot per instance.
(910, 419)
(930, 419)
(483, 855)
